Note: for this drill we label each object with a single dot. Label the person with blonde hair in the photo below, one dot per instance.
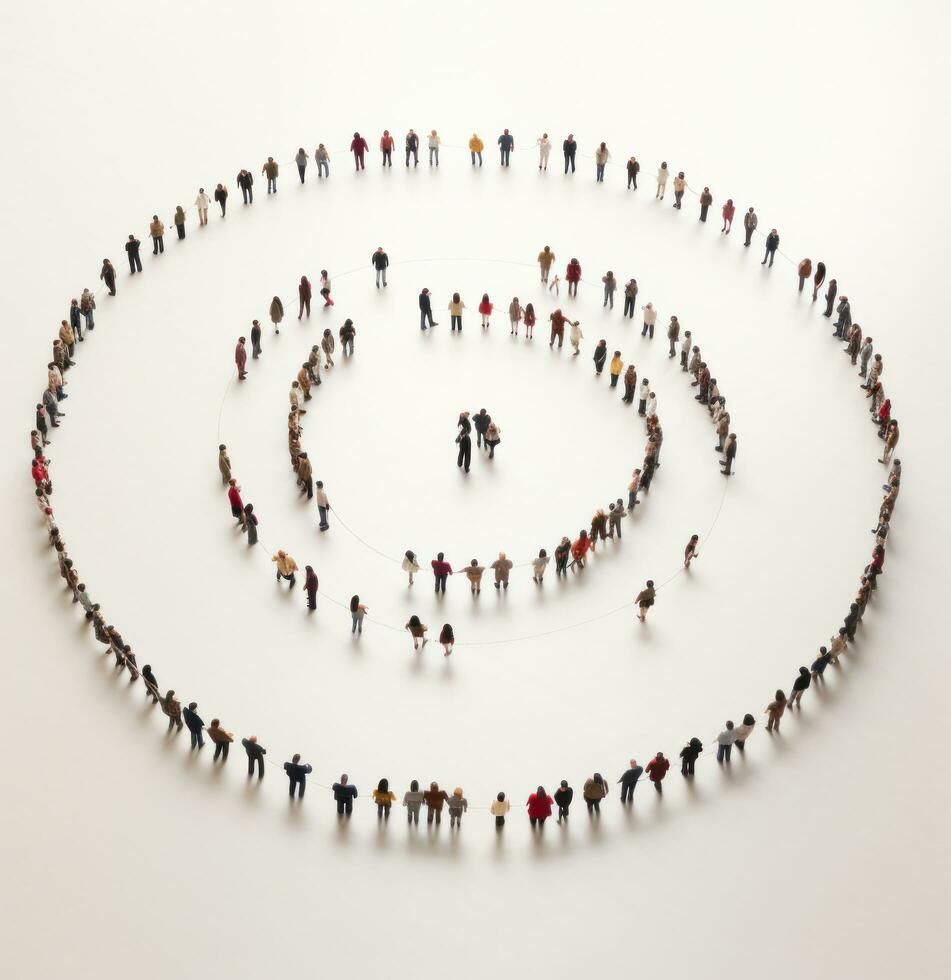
(286, 567)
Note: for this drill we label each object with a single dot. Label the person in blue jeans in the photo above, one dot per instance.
(194, 724)
(506, 144)
(344, 793)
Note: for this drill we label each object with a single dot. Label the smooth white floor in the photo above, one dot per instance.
(824, 848)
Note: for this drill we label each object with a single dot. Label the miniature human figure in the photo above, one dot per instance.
(616, 367)
(435, 798)
(633, 169)
(544, 149)
(384, 798)
(157, 233)
(729, 210)
(386, 148)
(630, 298)
(689, 755)
(344, 794)
(413, 800)
(323, 506)
(456, 306)
(645, 599)
(539, 565)
(516, 312)
(657, 769)
(545, 259)
(601, 157)
(301, 158)
(434, 141)
(502, 566)
(539, 806)
(744, 731)
(706, 199)
(725, 741)
(270, 170)
(474, 572)
(662, 174)
(563, 797)
(221, 198)
(297, 773)
(286, 567)
(132, 250)
(224, 464)
(729, 453)
(629, 780)
(464, 442)
(804, 271)
(680, 185)
(311, 585)
(241, 358)
(690, 552)
(412, 148)
(616, 513)
(179, 221)
(499, 808)
(595, 789)
(476, 146)
(417, 631)
(492, 438)
(322, 159)
(576, 336)
(441, 572)
(529, 320)
(108, 274)
(380, 260)
(800, 686)
(506, 144)
(246, 182)
(775, 710)
(772, 244)
(457, 804)
(610, 287)
(573, 276)
(221, 738)
(650, 319)
(410, 565)
(831, 292)
(569, 148)
(485, 309)
(481, 422)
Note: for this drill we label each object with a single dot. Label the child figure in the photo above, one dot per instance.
(576, 336)
(553, 286)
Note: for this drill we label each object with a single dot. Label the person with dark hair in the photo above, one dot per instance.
(573, 277)
(417, 631)
(775, 710)
(108, 275)
(690, 552)
(506, 144)
(750, 221)
(270, 170)
(633, 169)
(358, 147)
(831, 293)
(594, 791)
(645, 599)
(600, 356)
(384, 798)
(657, 770)
(725, 741)
(480, 422)
(413, 800)
(325, 287)
(818, 279)
(304, 294)
(172, 709)
(729, 454)
(499, 808)
(426, 311)
(447, 638)
(689, 755)
(251, 524)
(772, 245)
(157, 233)
(563, 797)
(562, 554)
(441, 571)
(357, 612)
(221, 738)
(221, 196)
(323, 506)
(412, 148)
(629, 780)
(456, 306)
(580, 548)
(194, 724)
(800, 686)
(255, 339)
(148, 679)
(435, 798)
(300, 158)
(744, 731)
(680, 185)
(464, 442)
(245, 181)
(241, 358)
(344, 793)
(311, 585)
(297, 773)
(569, 148)
(706, 199)
(539, 807)
(601, 157)
(380, 260)
(347, 332)
(410, 565)
(819, 665)
(132, 250)
(256, 755)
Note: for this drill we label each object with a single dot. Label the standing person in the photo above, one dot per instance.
(633, 169)
(221, 198)
(891, 441)
(610, 287)
(617, 365)
(386, 148)
(630, 298)
(804, 271)
(304, 293)
(241, 358)
(194, 724)
(685, 347)
(344, 795)
(75, 322)
(425, 310)
(325, 287)
(493, 436)
(322, 159)
(800, 686)
(515, 315)
(434, 143)
(172, 709)
(297, 773)
(221, 738)
(417, 631)
(563, 797)
(569, 148)
(481, 422)
(413, 800)
(234, 499)
(502, 566)
(830, 297)
(328, 345)
(616, 513)
(689, 754)
(642, 396)
(202, 202)
(499, 808)
(595, 789)
(690, 552)
(729, 453)
(255, 754)
(629, 780)
(657, 770)
(545, 259)
(384, 798)
(750, 221)
(476, 146)
(529, 319)
(276, 313)
(410, 565)
(435, 798)
(600, 356)
(286, 567)
(347, 333)
(680, 185)
(576, 336)
(819, 665)
(464, 456)
(157, 233)
(358, 147)
(843, 323)
(539, 806)
(706, 199)
(441, 572)
(485, 310)
(573, 276)
(650, 318)
(457, 804)
(539, 565)
(301, 158)
(601, 157)
(775, 710)
(108, 275)
(412, 148)
(474, 573)
(673, 335)
(725, 741)
(251, 524)
(132, 250)
(744, 731)
(255, 339)
(358, 611)
(772, 244)
(645, 599)
(662, 174)
(323, 506)
(245, 182)
(630, 380)
(818, 279)
(311, 585)
(447, 638)
(544, 150)
(380, 261)
(562, 554)
(179, 221)
(506, 144)
(270, 170)
(729, 210)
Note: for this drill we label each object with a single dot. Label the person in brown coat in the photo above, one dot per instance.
(277, 313)
(172, 709)
(221, 738)
(706, 199)
(645, 599)
(558, 321)
(157, 231)
(775, 710)
(729, 452)
(224, 464)
(805, 271)
(435, 798)
(241, 358)
(305, 475)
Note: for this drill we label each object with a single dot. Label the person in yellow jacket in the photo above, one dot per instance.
(476, 146)
(617, 365)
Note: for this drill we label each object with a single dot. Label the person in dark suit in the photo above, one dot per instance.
(344, 793)
(629, 780)
(256, 755)
(689, 754)
(464, 458)
(426, 310)
(481, 422)
(772, 244)
(132, 250)
(297, 772)
(729, 453)
(194, 724)
(569, 148)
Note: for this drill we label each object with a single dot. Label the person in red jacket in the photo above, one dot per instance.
(41, 476)
(304, 293)
(241, 358)
(237, 504)
(359, 146)
(580, 548)
(386, 145)
(729, 209)
(485, 308)
(573, 276)
(558, 321)
(441, 571)
(539, 807)
(657, 769)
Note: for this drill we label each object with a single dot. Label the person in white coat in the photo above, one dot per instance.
(662, 176)
(410, 565)
(650, 318)
(539, 565)
(434, 144)
(544, 149)
(202, 202)
(576, 336)
(296, 398)
(651, 407)
(642, 395)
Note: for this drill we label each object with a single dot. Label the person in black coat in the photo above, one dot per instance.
(772, 244)
(132, 250)
(800, 686)
(297, 772)
(344, 794)
(481, 422)
(426, 310)
(75, 319)
(629, 780)
(412, 148)
(563, 797)
(380, 260)
(600, 356)
(851, 621)
(464, 441)
(689, 754)
(256, 755)
(569, 148)
(245, 182)
(194, 724)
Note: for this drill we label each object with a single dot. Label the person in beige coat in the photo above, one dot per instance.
(502, 566)
(474, 572)
(516, 312)
(545, 259)
(68, 338)
(286, 567)
(157, 231)
(277, 313)
(224, 464)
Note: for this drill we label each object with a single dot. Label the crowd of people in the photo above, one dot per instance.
(568, 554)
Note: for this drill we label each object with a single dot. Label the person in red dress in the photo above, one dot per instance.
(573, 276)
(539, 807)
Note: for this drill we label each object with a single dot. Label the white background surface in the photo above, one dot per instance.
(824, 850)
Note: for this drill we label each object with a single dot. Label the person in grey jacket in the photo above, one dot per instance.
(772, 244)
(413, 801)
(750, 221)
(844, 323)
